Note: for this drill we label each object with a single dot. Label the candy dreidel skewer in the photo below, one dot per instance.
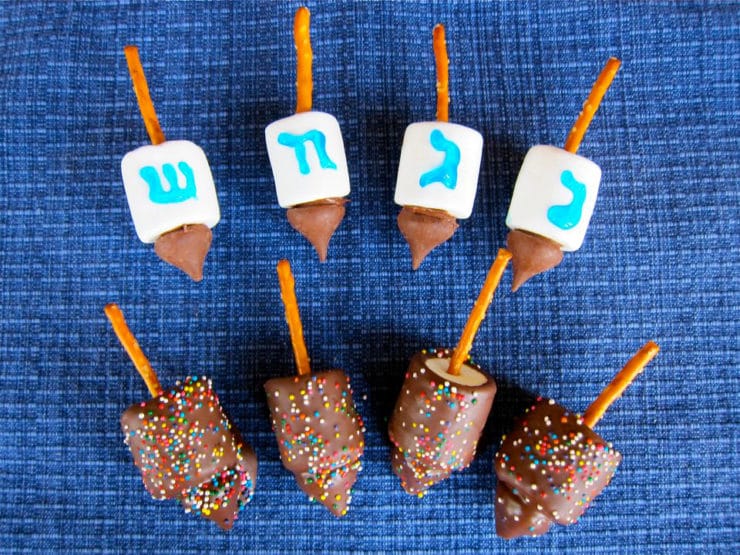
(319, 433)
(169, 188)
(184, 444)
(555, 195)
(552, 466)
(307, 156)
(438, 170)
(443, 404)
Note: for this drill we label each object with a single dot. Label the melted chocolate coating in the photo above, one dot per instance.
(437, 422)
(518, 517)
(186, 449)
(185, 248)
(549, 469)
(319, 433)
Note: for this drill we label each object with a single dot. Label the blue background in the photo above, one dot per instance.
(660, 261)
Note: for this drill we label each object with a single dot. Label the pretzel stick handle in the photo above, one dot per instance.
(293, 317)
(478, 313)
(127, 339)
(591, 105)
(141, 89)
(304, 60)
(621, 381)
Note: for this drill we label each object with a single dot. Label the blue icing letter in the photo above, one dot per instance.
(446, 174)
(297, 142)
(567, 216)
(174, 192)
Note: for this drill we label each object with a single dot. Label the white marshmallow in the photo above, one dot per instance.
(439, 167)
(307, 157)
(467, 376)
(555, 195)
(167, 186)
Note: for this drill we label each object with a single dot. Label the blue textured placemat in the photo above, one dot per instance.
(660, 261)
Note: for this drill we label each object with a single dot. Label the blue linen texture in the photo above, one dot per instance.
(660, 261)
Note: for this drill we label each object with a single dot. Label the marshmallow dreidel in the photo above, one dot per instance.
(169, 188)
(184, 444)
(438, 419)
(552, 465)
(554, 195)
(443, 404)
(307, 156)
(438, 170)
(319, 432)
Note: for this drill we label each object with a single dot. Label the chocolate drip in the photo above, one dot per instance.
(319, 433)
(217, 498)
(549, 470)
(332, 488)
(186, 449)
(185, 248)
(437, 420)
(518, 517)
(317, 221)
(531, 255)
(424, 229)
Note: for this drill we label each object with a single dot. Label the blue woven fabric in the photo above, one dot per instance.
(660, 261)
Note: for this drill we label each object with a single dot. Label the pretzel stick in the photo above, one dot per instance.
(127, 339)
(142, 95)
(442, 62)
(293, 317)
(304, 58)
(478, 312)
(591, 105)
(621, 381)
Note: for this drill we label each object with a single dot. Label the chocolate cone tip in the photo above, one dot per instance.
(185, 248)
(520, 278)
(317, 222)
(531, 254)
(424, 230)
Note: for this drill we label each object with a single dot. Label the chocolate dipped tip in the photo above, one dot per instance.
(317, 221)
(515, 517)
(185, 248)
(424, 229)
(320, 434)
(413, 482)
(222, 497)
(531, 255)
(333, 489)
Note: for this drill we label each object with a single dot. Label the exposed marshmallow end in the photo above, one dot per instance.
(468, 376)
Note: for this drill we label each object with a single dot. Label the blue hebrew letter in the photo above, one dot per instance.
(447, 172)
(297, 142)
(567, 216)
(174, 193)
